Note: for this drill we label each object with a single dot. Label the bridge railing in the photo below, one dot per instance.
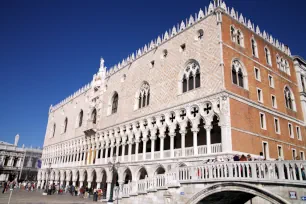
(253, 170)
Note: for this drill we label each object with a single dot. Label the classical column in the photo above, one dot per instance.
(117, 151)
(162, 137)
(208, 143)
(195, 140)
(89, 184)
(144, 149)
(136, 149)
(123, 151)
(106, 153)
(112, 149)
(153, 138)
(172, 135)
(130, 150)
(109, 185)
(183, 133)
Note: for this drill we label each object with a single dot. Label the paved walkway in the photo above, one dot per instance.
(36, 197)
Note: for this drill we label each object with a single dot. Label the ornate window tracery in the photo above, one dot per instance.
(268, 56)
(144, 95)
(115, 103)
(191, 77)
(289, 99)
(238, 76)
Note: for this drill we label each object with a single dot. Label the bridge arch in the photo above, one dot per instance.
(234, 192)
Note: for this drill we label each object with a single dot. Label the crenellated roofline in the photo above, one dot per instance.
(176, 30)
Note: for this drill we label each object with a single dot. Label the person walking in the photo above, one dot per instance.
(4, 187)
(72, 190)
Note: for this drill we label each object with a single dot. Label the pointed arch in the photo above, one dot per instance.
(94, 116)
(289, 98)
(239, 74)
(268, 56)
(115, 100)
(254, 47)
(65, 125)
(143, 95)
(53, 130)
(190, 77)
(80, 122)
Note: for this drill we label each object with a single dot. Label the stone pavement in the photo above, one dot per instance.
(36, 197)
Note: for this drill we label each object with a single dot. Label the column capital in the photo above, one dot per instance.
(195, 129)
(208, 127)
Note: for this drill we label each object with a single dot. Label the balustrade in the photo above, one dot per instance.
(189, 152)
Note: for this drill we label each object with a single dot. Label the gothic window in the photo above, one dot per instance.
(302, 83)
(254, 47)
(144, 95)
(191, 77)
(238, 76)
(53, 130)
(237, 36)
(115, 103)
(268, 56)
(65, 125)
(80, 118)
(233, 35)
(289, 99)
(287, 68)
(94, 116)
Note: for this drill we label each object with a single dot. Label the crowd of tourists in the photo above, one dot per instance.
(26, 185)
(82, 192)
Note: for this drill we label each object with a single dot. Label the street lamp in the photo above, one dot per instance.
(49, 169)
(113, 166)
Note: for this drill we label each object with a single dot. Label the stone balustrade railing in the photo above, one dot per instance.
(282, 172)
(189, 152)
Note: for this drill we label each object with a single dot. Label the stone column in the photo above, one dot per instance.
(208, 143)
(98, 185)
(117, 152)
(112, 150)
(106, 153)
(130, 150)
(136, 149)
(195, 140)
(89, 184)
(162, 137)
(152, 146)
(183, 133)
(172, 135)
(123, 151)
(144, 149)
(109, 185)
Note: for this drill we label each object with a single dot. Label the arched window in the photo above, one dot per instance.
(115, 103)
(80, 118)
(191, 77)
(254, 47)
(289, 99)
(268, 56)
(287, 68)
(233, 35)
(53, 130)
(239, 38)
(238, 76)
(144, 95)
(94, 116)
(65, 125)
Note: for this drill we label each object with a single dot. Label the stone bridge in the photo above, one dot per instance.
(226, 182)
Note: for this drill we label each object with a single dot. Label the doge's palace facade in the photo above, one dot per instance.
(188, 96)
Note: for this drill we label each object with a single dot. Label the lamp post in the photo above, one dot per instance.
(113, 166)
(49, 169)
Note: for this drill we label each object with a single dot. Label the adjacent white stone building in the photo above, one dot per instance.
(18, 163)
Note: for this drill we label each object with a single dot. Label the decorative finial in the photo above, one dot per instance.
(102, 64)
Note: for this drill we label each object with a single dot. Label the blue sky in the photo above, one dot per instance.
(50, 48)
